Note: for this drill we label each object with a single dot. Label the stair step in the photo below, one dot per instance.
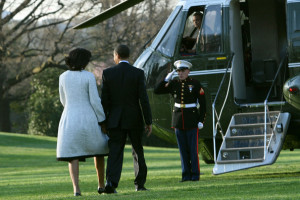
(240, 161)
(242, 153)
(247, 137)
(249, 129)
(256, 117)
(257, 113)
(239, 143)
(242, 148)
(251, 125)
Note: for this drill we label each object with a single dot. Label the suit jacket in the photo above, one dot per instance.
(185, 92)
(124, 97)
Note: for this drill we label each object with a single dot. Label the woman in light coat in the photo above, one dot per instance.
(79, 133)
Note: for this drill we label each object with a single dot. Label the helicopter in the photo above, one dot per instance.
(248, 64)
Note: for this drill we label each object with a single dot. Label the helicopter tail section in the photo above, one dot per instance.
(252, 140)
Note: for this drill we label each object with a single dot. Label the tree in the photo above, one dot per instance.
(133, 27)
(40, 39)
(34, 42)
(44, 106)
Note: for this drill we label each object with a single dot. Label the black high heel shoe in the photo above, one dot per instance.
(77, 194)
(101, 190)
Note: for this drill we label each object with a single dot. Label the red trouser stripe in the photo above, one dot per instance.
(182, 118)
(198, 152)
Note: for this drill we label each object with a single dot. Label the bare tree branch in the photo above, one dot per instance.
(1, 6)
(39, 40)
(16, 11)
(20, 77)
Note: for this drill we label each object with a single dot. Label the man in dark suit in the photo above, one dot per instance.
(126, 106)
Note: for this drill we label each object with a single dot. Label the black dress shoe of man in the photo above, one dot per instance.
(109, 189)
(141, 189)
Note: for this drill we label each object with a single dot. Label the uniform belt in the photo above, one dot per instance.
(189, 105)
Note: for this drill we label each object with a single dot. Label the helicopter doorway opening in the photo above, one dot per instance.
(259, 43)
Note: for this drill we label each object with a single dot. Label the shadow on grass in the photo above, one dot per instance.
(159, 150)
(259, 175)
(272, 175)
(159, 168)
(155, 150)
(8, 161)
(21, 140)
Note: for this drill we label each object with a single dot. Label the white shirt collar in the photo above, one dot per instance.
(124, 61)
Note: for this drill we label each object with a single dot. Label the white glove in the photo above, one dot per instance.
(169, 76)
(200, 125)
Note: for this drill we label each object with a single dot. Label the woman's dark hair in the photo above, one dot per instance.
(123, 51)
(78, 59)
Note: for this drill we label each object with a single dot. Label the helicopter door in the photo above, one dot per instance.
(260, 50)
(235, 34)
(293, 29)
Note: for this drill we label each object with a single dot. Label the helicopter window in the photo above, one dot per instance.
(165, 27)
(210, 34)
(142, 59)
(156, 67)
(296, 20)
(167, 45)
(191, 30)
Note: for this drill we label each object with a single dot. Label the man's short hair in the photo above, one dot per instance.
(198, 14)
(123, 51)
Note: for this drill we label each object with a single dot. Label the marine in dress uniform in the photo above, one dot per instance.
(188, 116)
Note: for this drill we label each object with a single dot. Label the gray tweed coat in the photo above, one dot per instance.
(79, 135)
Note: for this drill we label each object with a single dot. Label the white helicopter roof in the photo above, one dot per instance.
(189, 3)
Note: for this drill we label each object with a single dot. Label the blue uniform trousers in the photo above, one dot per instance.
(187, 141)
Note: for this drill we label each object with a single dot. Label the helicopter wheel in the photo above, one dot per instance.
(206, 150)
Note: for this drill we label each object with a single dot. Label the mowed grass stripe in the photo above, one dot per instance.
(29, 170)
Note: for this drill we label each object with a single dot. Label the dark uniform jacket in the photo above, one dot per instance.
(185, 92)
(124, 97)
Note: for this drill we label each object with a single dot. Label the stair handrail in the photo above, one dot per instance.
(266, 107)
(214, 111)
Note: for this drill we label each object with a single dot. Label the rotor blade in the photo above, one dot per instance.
(107, 13)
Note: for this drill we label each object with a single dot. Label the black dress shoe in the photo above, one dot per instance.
(141, 189)
(101, 190)
(109, 189)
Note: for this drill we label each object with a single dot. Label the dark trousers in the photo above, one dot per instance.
(188, 147)
(116, 144)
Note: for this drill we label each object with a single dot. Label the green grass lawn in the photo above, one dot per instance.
(29, 170)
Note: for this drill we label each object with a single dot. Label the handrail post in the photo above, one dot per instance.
(266, 105)
(214, 132)
(265, 129)
(213, 108)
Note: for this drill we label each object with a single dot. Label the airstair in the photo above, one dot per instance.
(250, 142)
(252, 139)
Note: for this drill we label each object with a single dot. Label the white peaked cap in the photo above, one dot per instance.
(182, 64)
